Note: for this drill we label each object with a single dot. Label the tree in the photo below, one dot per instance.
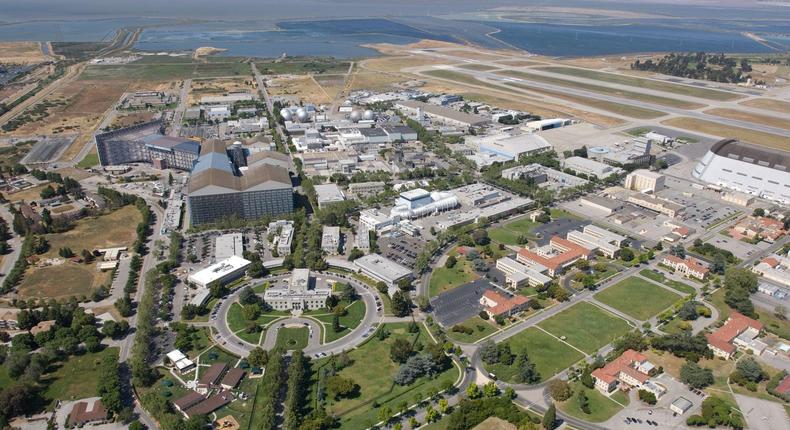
(560, 390)
(336, 327)
(251, 312)
(759, 212)
(525, 370)
(587, 379)
(401, 304)
(338, 386)
(451, 261)
(626, 254)
(550, 417)
(136, 425)
(647, 397)
(355, 253)
(489, 352)
(584, 402)
(473, 391)
(719, 264)
(750, 369)
(688, 312)
(247, 296)
(695, 376)
(400, 350)
(258, 357)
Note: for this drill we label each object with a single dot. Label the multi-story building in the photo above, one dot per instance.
(519, 274)
(218, 190)
(631, 369)
(383, 269)
(598, 239)
(557, 256)
(739, 331)
(689, 266)
(330, 240)
(590, 167)
(645, 181)
(497, 304)
(146, 143)
(364, 189)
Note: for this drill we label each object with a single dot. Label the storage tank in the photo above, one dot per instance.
(355, 116)
(367, 115)
(286, 114)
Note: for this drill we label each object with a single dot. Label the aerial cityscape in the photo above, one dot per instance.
(315, 215)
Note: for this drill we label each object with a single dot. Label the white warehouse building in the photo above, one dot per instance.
(222, 272)
(760, 171)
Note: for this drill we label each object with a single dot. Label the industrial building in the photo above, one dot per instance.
(509, 145)
(302, 293)
(645, 181)
(441, 114)
(218, 189)
(221, 272)
(665, 207)
(774, 268)
(540, 174)
(751, 169)
(590, 167)
(146, 143)
(383, 269)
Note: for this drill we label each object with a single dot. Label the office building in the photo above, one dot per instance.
(665, 207)
(557, 256)
(689, 266)
(328, 194)
(146, 143)
(598, 239)
(590, 167)
(756, 170)
(518, 274)
(222, 272)
(645, 181)
(739, 331)
(218, 189)
(300, 294)
(366, 189)
(630, 370)
(330, 240)
(497, 304)
(228, 245)
(383, 269)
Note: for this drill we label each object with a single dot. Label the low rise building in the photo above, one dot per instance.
(365, 189)
(330, 240)
(774, 268)
(518, 274)
(557, 256)
(441, 114)
(653, 203)
(383, 269)
(590, 167)
(228, 245)
(327, 194)
(689, 266)
(181, 362)
(540, 174)
(87, 412)
(631, 369)
(598, 239)
(221, 272)
(645, 181)
(739, 331)
(302, 293)
(754, 227)
(499, 305)
(606, 205)
(680, 406)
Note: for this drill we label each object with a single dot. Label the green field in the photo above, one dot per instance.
(373, 370)
(479, 327)
(89, 161)
(76, 378)
(508, 233)
(638, 298)
(302, 65)
(586, 326)
(237, 323)
(164, 72)
(349, 321)
(444, 279)
(292, 338)
(549, 354)
(629, 95)
(685, 90)
(671, 283)
(601, 407)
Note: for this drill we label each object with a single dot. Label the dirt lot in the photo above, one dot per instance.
(305, 87)
(332, 84)
(117, 228)
(218, 87)
(129, 119)
(27, 195)
(21, 52)
(65, 280)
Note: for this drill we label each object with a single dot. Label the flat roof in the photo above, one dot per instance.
(228, 245)
(382, 267)
(329, 193)
(414, 194)
(218, 270)
(445, 112)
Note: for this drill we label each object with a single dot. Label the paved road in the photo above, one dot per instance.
(178, 114)
(15, 243)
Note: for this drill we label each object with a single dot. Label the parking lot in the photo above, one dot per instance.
(401, 249)
(659, 414)
(559, 227)
(738, 248)
(460, 304)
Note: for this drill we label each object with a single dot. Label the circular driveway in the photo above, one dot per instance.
(228, 340)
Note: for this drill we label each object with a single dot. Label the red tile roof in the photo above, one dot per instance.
(572, 252)
(623, 363)
(784, 385)
(735, 325)
(504, 304)
(771, 261)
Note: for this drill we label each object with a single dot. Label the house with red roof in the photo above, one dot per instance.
(739, 331)
(630, 370)
(750, 228)
(557, 256)
(498, 304)
(784, 386)
(690, 266)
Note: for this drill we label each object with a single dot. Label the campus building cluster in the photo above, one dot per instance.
(739, 331)
(630, 370)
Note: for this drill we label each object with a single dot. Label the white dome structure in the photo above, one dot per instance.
(355, 116)
(301, 115)
(368, 115)
(286, 114)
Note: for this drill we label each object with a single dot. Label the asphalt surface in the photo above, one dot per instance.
(459, 304)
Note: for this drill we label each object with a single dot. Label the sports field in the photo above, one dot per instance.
(586, 326)
(638, 298)
(549, 354)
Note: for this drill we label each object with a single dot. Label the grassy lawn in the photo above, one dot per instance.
(373, 370)
(218, 355)
(89, 161)
(166, 386)
(65, 280)
(671, 283)
(444, 279)
(479, 327)
(562, 213)
(685, 90)
(117, 228)
(292, 338)
(77, 377)
(5, 379)
(637, 298)
(717, 300)
(586, 326)
(773, 324)
(601, 407)
(241, 409)
(349, 321)
(549, 354)
(508, 233)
